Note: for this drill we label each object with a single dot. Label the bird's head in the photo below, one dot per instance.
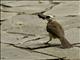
(45, 17)
(49, 17)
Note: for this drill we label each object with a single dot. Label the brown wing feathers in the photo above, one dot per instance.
(55, 29)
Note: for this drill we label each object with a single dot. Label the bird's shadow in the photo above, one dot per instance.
(41, 46)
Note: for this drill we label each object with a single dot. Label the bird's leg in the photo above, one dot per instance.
(49, 39)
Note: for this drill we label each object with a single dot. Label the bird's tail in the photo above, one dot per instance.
(65, 43)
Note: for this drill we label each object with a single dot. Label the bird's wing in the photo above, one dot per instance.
(55, 29)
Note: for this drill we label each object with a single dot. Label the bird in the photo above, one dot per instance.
(55, 30)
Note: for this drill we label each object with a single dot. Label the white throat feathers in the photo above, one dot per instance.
(50, 18)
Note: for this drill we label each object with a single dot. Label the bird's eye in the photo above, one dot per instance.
(47, 17)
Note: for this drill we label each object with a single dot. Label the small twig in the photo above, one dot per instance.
(34, 39)
(21, 33)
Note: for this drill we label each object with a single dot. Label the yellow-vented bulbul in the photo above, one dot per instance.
(55, 30)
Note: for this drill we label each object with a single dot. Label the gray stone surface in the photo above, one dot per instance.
(15, 47)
